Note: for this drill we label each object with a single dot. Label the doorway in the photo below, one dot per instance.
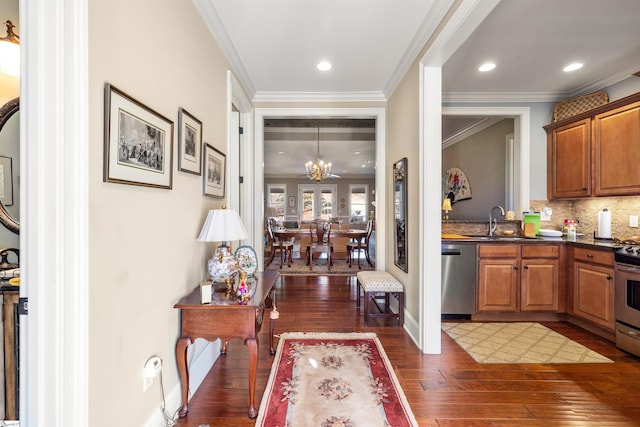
(379, 114)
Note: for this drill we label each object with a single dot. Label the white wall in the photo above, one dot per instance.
(143, 250)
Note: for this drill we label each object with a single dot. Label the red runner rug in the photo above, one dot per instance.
(333, 380)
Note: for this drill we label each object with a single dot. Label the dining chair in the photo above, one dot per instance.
(320, 242)
(361, 244)
(282, 243)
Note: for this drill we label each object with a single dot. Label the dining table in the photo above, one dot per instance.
(289, 233)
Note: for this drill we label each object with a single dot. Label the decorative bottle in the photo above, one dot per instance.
(243, 291)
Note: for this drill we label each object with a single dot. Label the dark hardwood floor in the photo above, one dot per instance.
(449, 389)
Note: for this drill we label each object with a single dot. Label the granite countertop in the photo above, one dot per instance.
(586, 241)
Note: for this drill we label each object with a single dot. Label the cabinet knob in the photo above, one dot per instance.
(515, 267)
(609, 277)
(526, 267)
(584, 188)
(589, 256)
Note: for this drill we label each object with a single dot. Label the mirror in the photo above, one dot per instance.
(10, 132)
(400, 212)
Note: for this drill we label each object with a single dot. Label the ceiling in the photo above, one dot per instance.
(274, 46)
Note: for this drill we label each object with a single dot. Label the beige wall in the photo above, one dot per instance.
(143, 250)
(402, 141)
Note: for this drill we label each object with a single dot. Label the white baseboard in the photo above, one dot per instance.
(412, 327)
(200, 358)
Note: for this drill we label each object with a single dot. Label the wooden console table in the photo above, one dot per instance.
(224, 318)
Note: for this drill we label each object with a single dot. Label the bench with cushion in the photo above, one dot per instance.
(379, 286)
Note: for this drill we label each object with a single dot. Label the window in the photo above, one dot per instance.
(276, 199)
(317, 201)
(358, 201)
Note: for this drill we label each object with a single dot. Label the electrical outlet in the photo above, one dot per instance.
(633, 221)
(151, 369)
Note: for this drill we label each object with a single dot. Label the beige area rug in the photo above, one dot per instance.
(519, 342)
(320, 267)
(333, 380)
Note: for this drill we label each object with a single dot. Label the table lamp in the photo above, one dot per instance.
(223, 225)
(446, 207)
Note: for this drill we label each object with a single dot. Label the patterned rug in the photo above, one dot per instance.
(320, 268)
(520, 342)
(331, 380)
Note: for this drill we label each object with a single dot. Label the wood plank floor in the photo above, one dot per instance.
(450, 389)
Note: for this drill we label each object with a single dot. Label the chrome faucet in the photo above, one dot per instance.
(493, 222)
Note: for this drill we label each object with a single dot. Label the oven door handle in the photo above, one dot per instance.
(627, 268)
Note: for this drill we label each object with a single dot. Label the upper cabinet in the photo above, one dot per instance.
(596, 153)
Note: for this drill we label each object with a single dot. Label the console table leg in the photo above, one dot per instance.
(181, 358)
(252, 345)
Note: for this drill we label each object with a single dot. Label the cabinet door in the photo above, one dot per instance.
(593, 294)
(497, 285)
(616, 139)
(539, 285)
(569, 160)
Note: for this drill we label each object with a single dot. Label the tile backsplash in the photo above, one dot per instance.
(586, 212)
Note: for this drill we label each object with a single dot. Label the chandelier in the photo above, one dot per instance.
(319, 170)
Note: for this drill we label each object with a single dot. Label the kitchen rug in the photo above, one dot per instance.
(520, 342)
(333, 379)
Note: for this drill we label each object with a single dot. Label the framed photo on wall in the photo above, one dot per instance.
(189, 143)
(138, 142)
(214, 163)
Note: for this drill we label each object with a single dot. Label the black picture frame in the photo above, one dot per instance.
(213, 178)
(189, 143)
(138, 142)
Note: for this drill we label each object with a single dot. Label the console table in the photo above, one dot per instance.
(224, 318)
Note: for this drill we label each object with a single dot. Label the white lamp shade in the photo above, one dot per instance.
(10, 58)
(222, 225)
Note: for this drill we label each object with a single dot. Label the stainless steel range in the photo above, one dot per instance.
(627, 298)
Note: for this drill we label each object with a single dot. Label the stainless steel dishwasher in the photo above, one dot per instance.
(458, 280)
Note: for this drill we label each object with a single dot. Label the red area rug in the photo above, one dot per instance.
(333, 380)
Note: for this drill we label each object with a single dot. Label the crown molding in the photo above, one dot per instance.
(216, 27)
(470, 131)
(372, 96)
(432, 19)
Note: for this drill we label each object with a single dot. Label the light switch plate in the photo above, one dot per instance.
(633, 221)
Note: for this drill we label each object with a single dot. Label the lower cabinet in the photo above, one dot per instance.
(593, 287)
(515, 278)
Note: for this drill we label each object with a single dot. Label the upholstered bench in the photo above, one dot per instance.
(380, 285)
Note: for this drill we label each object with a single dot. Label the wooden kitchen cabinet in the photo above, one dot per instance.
(540, 278)
(569, 160)
(516, 278)
(595, 153)
(616, 139)
(593, 286)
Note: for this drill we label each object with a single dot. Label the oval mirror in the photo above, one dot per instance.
(7, 117)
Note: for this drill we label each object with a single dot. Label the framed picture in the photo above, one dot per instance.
(292, 201)
(189, 143)
(214, 171)
(6, 181)
(138, 142)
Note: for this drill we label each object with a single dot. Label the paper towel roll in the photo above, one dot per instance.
(604, 224)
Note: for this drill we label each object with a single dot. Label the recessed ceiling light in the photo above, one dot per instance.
(572, 67)
(487, 67)
(356, 152)
(324, 66)
(280, 152)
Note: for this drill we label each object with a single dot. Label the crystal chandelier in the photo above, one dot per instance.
(319, 170)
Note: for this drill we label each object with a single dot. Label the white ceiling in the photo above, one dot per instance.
(274, 46)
